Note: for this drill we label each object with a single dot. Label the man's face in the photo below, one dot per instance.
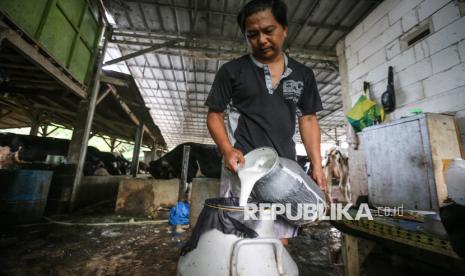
(265, 35)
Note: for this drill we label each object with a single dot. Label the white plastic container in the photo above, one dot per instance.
(218, 254)
(455, 180)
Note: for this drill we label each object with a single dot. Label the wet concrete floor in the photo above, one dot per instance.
(47, 248)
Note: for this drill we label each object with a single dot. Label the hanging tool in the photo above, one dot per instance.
(388, 99)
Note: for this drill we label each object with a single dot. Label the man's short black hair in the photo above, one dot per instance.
(278, 9)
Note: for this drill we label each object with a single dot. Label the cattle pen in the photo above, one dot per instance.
(110, 165)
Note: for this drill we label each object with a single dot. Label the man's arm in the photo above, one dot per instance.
(232, 156)
(311, 137)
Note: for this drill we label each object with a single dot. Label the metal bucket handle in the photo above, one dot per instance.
(275, 242)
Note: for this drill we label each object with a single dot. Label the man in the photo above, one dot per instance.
(263, 92)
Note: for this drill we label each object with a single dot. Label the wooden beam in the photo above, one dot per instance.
(152, 48)
(37, 91)
(128, 111)
(44, 62)
(234, 15)
(118, 144)
(114, 81)
(15, 73)
(5, 114)
(213, 49)
(34, 81)
(109, 124)
(47, 133)
(103, 95)
(35, 86)
(26, 123)
(105, 140)
(18, 66)
(98, 119)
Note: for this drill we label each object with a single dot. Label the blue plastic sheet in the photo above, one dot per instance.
(179, 214)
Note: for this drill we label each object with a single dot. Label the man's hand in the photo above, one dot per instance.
(311, 137)
(233, 158)
(319, 177)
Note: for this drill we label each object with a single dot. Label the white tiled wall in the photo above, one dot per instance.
(429, 75)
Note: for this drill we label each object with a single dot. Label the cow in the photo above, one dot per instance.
(110, 162)
(33, 148)
(336, 169)
(100, 170)
(205, 159)
(8, 159)
(143, 168)
(124, 165)
(30, 149)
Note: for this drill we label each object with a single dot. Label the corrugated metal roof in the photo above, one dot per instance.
(180, 44)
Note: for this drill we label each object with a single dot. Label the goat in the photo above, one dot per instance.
(337, 168)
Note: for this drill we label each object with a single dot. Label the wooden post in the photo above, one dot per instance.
(185, 167)
(136, 151)
(44, 130)
(78, 144)
(112, 144)
(350, 255)
(35, 119)
(354, 252)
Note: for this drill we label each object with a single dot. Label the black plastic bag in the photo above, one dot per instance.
(224, 215)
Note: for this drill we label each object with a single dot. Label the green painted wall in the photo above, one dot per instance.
(68, 29)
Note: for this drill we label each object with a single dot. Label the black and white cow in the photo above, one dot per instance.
(115, 165)
(33, 148)
(202, 157)
(143, 168)
(30, 148)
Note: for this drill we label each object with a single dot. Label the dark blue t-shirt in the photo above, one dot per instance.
(260, 115)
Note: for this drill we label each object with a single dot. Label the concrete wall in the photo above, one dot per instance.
(142, 197)
(94, 189)
(429, 75)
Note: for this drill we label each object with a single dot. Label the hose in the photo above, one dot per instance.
(144, 222)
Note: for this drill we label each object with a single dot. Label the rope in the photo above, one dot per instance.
(144, 222)
(234, 210)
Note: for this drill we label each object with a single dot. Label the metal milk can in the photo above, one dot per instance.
(287, 183)
(219, 254)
